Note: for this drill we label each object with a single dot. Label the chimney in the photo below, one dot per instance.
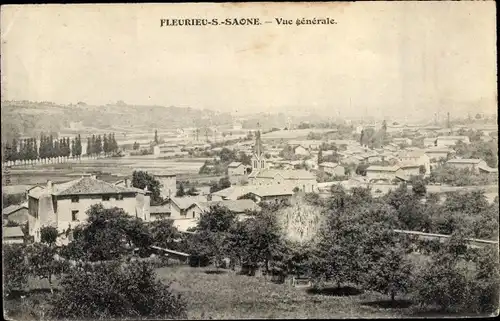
(49, 185)
(126, 182)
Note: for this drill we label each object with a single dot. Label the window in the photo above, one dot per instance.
(119, 197)
(74, 215)
(75, 199)
(105, 197)
(193, 214)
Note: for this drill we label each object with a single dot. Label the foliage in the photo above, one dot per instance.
(43, 263)
(142, 179)
(12, 199)
(180, 192)
(449, 175)
(48, 235)
(487, 151)
(222, 184)
(163, 233)
(418, 186)
(109, 234)
(114, 291)
(15, 268)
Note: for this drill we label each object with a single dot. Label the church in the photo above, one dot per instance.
(262, 175)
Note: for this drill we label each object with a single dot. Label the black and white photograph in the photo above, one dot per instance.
(250, 160)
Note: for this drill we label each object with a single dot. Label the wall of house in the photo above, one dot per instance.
(301, 151)
(437, 155)
(240, 170)
(410, 171)
(13, 240)
(336, 171)
(380, 175)
(65, 208)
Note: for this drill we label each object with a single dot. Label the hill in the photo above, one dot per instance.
(24, 118)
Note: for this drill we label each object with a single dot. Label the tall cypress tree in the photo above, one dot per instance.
(78, 144)
(105, 145)
(98, 145)
(14, 149)
(50, 146)
(115, 144)
(89, 146)
(73, 148)
(94, 146)
(35, 149)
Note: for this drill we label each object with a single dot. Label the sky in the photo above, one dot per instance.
(380, 59)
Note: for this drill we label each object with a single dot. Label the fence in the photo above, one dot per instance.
(48, 161)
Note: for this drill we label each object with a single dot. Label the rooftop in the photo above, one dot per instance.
(382, 168)
(187, 201)
(236, 206)
(234, 164)
(286, 174)
(13, 231)
(465, 161)
(13, 208)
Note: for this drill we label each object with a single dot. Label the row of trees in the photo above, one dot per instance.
(106, 144)
(27, 149)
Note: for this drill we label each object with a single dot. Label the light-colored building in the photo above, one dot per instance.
(237, 173)
(437, 153)
(159, 212)
(418, 157)
(65, 205)
(447, 141)
(388, 173)
(300, 178)
(169, 184)
(239, 207)
(402, 140)
(12, 235)
(332, 168)
(271, 193)
(430, 142)
(179, 206)
(470, 163)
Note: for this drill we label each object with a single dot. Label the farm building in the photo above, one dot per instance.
(12, 235)
(470, 163)
(446, 141)
(16, 213)
(332, 168)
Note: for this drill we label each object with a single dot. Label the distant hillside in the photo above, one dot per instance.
(30, 119)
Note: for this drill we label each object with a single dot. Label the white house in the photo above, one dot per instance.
(446, 141)
(332, 168)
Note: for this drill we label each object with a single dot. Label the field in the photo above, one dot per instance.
(292, 134)
(229, 295)
(108, 169)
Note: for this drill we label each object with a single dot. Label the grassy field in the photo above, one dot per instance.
(229, 295)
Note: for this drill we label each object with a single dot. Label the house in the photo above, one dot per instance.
(470, 163)
(487, 170)
(332, 168)
(418, 157)
(179, 205)
(271, 193)
(407, 170)
(375, 172)
(446, 141)
(16, 213)
(12, 235)
(300, 178)
(168, 150)
(65, 205)
(438, 153)
(237, 173)
(159, 212)
(300, 150)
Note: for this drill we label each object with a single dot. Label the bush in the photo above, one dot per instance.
(48, 235)
(116, 291)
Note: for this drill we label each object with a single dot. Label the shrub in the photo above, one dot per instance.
(116, 291)
(48, 235)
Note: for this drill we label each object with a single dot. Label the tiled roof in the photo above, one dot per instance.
(159, 209)
(236, 206)
(13, 231)
(13, 208)
(465, 161)
(382, 168)
(89, 185)
(286, 174)
(187, 201)
(453, 137)
(272, 190)
(234, 164)
(412, 154)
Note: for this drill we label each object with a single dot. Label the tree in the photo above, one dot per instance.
(108, 234)
(164, 234)
(418, 186)
(421, 169)
(48, 235)
(361, 169)
(389, 271)
(180, 192)
(15, 268)
(105, 145)
(136, 146)
(98, 145)
(211, 233)
(114, 292)
(89, 146)
(156, 136)
(43, 263)
(142, 179)
(192, 191)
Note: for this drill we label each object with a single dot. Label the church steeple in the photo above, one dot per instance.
(258, 159)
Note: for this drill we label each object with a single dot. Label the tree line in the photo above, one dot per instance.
(27, 149)
(106, 144)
